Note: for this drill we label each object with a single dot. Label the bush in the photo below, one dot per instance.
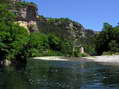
(90, 50)
(110, 53)
(107, 53)
(113, 46)
(53, 53)
(54, 42)
(83, 55)
(80, 54)
(67, 48)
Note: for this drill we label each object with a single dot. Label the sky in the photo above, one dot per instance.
(90, 13)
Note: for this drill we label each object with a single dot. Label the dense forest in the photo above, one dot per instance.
(56, 37)
(107, 41)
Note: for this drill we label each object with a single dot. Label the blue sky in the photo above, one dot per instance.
(90, 13)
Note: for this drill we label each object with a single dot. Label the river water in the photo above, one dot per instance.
(40, 74)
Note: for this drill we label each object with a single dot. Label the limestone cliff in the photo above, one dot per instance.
(26, 15)
(67, 29)
(62, 27)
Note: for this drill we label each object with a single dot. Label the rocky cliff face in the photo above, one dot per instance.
(26, 15)
(67, 29)
(62, 27)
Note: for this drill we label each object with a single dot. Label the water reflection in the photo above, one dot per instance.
(12, 79)
(60, 75)
(71, 75)
(110, 76)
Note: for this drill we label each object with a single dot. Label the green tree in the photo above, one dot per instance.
(114, 46)
(12, 36)
(38, 44)
(54, 42)
(108, 39)
(67, 48)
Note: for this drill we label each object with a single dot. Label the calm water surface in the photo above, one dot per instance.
(61, 75)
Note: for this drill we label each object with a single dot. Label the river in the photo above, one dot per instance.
(40, 74)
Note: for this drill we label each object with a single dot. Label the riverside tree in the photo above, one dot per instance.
(108, 39)
(13, 38)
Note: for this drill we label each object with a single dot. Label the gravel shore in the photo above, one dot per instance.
(112, 58)
(107, 59)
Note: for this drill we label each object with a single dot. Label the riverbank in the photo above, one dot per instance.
(109, 59)
(57, 58)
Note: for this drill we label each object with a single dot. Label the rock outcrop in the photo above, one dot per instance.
(66, 29)
(62, 27)
(26, 15)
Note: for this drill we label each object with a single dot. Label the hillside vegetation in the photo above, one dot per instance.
(56, 37)
(69, 30)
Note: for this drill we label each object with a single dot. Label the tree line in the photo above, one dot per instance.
(17, 44)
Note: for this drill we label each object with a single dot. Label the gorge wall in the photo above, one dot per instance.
(26, 15)
(64, 28)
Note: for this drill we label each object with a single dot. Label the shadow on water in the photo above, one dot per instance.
(10, 78)
(40, 74)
